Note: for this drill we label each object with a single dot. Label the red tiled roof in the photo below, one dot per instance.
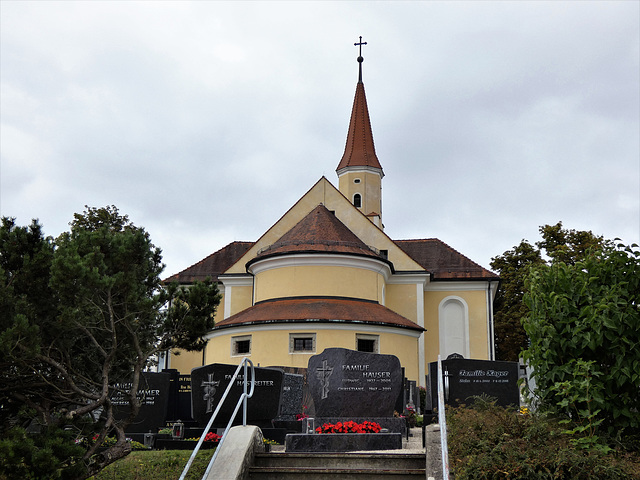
(318, 232)
(442, 261)
(318, 309)
(213, 265)
(359, 150)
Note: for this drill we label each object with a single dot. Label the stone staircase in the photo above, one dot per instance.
(321, 466)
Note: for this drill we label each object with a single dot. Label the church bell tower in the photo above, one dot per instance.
(359, 172)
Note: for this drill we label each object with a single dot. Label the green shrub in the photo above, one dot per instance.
(494, 443)
(51, 454)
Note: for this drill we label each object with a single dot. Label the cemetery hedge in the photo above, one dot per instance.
(488, 442)
(584, 343)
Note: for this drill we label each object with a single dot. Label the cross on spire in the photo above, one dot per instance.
(360, 59)
(360, 45)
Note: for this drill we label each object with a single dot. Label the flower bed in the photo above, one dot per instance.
(349, 427)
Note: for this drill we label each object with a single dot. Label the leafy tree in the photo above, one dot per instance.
(509, 306)
(559, 245)
(584, 333)
(82, 317)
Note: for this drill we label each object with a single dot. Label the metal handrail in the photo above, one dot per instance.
(242, 400)
(442, 420)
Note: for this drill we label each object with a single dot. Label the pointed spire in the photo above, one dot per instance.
(359, 150)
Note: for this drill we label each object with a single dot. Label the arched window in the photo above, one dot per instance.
(357, 200)
(454, 327)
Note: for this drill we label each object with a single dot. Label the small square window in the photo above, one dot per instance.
(302, 343)
(241, 345)
(367, 343)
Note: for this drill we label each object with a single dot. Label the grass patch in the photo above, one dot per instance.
(156, 465)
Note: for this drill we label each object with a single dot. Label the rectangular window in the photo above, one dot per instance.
(367, 343)
(241, 345)
(302, 343)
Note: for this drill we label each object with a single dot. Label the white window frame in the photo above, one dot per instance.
(234, 345)
(295, 336)
(366, 336)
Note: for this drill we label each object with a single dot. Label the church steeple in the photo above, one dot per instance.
(359, 171)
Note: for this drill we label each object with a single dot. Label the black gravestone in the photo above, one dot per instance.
(467, 378)
(348, 383)
(180, 397)
(209, 383)
(153, 393)
(291, 401)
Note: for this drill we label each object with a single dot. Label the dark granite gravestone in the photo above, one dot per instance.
(179, 397)
(208, 384)
(291, 401)
(465, 378)
(348, 383)
(153, 393)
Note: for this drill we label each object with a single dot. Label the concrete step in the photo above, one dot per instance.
(344, 460)
(267, 473)
(320, 466)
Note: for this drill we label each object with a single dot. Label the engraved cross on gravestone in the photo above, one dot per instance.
(210, 391)
(323, 374)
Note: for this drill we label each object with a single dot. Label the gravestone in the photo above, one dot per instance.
(209, 383)
(357, 386)
(153, 393)
(348, 383)
(291, 401)
(465, 378)
(180, 397)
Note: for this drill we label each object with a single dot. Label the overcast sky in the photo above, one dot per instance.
(205, 121)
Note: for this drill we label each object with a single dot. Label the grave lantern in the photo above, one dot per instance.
(149, 439)
(310, 425)
(178, 430)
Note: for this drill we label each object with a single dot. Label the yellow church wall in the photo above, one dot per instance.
(241, 299)
(401, 298)
(184, 361)
(477, 315)
(318, 280)
(270, 346)
(219, 315)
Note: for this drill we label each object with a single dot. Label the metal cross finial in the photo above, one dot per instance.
(360, 59)
(360, 45)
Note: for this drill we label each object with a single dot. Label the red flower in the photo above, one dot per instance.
(212, 437)
(349, 427)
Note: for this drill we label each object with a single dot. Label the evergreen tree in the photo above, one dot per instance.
(80, 316)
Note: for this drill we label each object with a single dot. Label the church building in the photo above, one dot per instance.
(326, 275)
